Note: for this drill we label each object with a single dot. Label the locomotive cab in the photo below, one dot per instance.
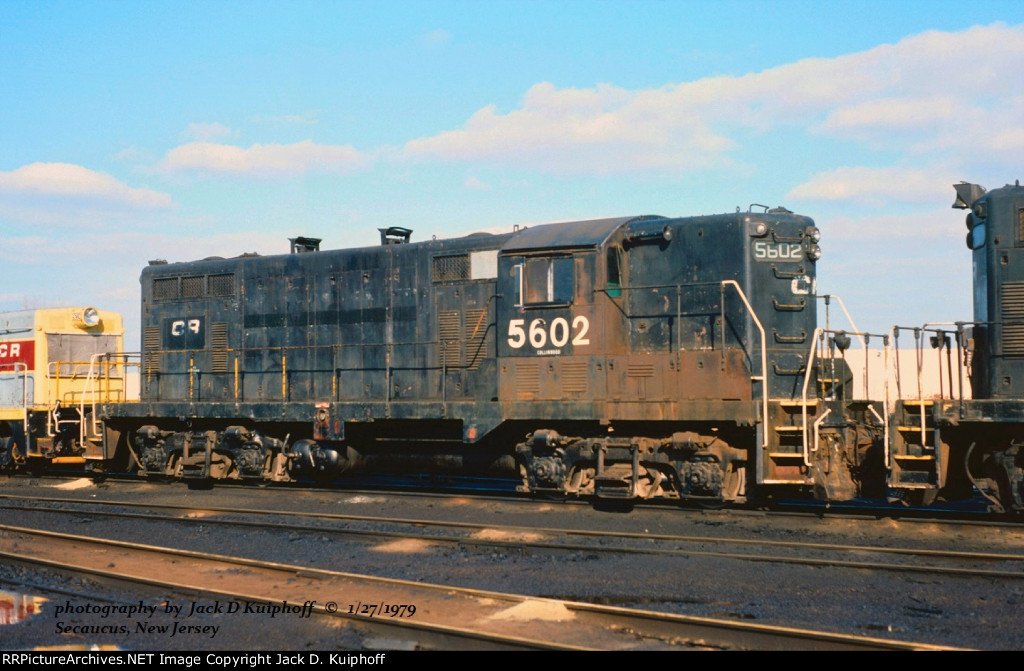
(995, 235)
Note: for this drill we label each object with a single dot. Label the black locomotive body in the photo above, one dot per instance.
(977, 442)
(630, 357)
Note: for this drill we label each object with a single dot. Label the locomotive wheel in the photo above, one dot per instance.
(731, 489)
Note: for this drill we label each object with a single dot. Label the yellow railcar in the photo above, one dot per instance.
(56, 366)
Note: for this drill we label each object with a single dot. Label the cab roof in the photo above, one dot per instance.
(591, 233)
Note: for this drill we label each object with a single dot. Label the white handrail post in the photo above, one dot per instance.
(764, 358)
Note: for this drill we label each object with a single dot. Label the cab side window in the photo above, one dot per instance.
(549, 280)
(614, 258)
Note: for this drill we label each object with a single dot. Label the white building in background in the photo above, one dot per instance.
(910, 373)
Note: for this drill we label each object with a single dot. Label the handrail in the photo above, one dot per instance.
(817, 427)
(763, 377)
(827, 298)
(89, 380)
(807, 380)
(812, 355)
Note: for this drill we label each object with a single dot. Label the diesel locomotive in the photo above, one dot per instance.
(56, 366)
(622, 358)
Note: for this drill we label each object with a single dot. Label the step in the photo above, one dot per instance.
(811, 403)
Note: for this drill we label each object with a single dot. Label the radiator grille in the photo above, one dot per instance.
(165, 289)
(192, 287)
(221, 285)
(451, 268)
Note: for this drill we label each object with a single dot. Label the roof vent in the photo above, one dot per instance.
(394, 235)
(304, 245)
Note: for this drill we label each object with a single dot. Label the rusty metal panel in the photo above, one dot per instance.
(575, 378)
(710, 375)
(527, 379)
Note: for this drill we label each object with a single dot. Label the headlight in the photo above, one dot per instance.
(814, 252)
(813, 233)
(87, 318)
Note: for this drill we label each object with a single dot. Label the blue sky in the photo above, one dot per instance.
(139, 130)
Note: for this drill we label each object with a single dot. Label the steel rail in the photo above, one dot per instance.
(454, 611)
(521, 543)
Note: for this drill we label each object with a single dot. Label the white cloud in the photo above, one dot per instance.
(929, 92)
(862, 235)
(131, 250)
(204, 132)
(876, 186)
(260, 160)
(600, 131)
(57, 189)
(893, 113)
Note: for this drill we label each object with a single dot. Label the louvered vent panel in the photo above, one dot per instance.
(219, 343)
(527, 380)
(640, 370)
(1013, 340)
(574, 377)
(476, 331)
(150, 345)
(449, 333)
(1013, 318)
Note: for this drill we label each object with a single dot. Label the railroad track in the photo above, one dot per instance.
(437, 615)
(498, 489)
(995, 565)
